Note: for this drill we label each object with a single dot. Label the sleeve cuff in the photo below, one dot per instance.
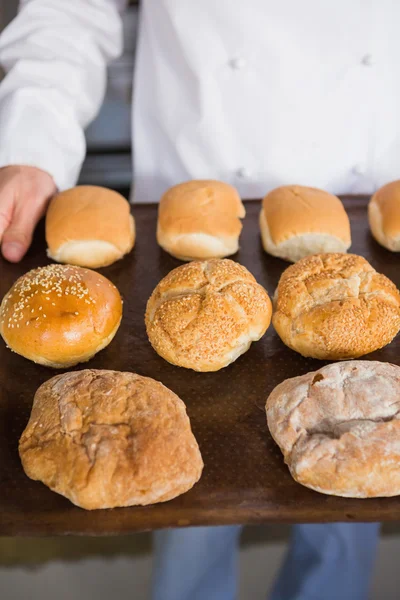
(33, 136)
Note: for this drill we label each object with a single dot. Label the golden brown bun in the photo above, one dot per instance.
(89, 226)
(339, 428)
(204, 315)
(334, 306)
(105, 439)
(200, 219)
(297, 221)
(384, 216)
(60, 315)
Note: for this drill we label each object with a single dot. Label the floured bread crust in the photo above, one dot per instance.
(105, 439)
(339, 428)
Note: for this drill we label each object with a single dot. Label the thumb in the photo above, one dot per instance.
(18, 235)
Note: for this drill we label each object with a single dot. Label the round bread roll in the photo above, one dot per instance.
(384, 216)
(204, 315)
(339, 428)
(89, 226)
(200, 219)
(297, 221)
(105, 439)
(60, 315)
(335, 306)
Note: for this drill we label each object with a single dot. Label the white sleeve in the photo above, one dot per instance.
(55, 54)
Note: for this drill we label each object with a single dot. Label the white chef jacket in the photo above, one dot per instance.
(257, 93)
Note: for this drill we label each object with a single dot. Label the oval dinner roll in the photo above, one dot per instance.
(333, 306)
(297, 221)
(200, 219)
(339, 428)
(60, 315)
(105, 439)
(204, 315)
(384, 216)
(89, 226)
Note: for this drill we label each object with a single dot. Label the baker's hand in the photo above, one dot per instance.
(24, 195)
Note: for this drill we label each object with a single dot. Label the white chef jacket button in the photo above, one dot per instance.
(367, 60)
(358, 170)
(243, 173)
(237, 63)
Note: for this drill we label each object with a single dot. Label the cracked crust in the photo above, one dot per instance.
(339, 428)
(204, 315)
(335, 306)
(106, 438)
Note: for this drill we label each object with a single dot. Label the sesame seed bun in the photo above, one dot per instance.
(89, 226)
(105, 439)
(200, 219)
(60, 315)
(204, 315)
(296, 221)
(335, 306)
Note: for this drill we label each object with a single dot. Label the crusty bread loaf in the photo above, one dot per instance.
(60, 315)
(384, 216)
(105, 439)
(297, 221)
(339, 428)
(204, 315)
(335, 306)
(200, 219)
(89, 226)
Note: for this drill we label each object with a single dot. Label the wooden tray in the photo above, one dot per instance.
(244, 479)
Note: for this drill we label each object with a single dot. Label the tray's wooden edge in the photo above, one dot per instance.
(260, 516)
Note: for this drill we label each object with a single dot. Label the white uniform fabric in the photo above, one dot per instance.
(256, 93)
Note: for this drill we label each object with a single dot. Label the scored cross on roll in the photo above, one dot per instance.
(204, 315)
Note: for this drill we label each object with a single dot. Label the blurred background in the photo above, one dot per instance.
(78, 568)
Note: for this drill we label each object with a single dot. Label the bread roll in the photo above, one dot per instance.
(204, 315)
(105, 439)
(200, 219)
(60, 315)
(335, 306)
(297, 221)
(339, 428)
(89, 226)
(384, 216)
